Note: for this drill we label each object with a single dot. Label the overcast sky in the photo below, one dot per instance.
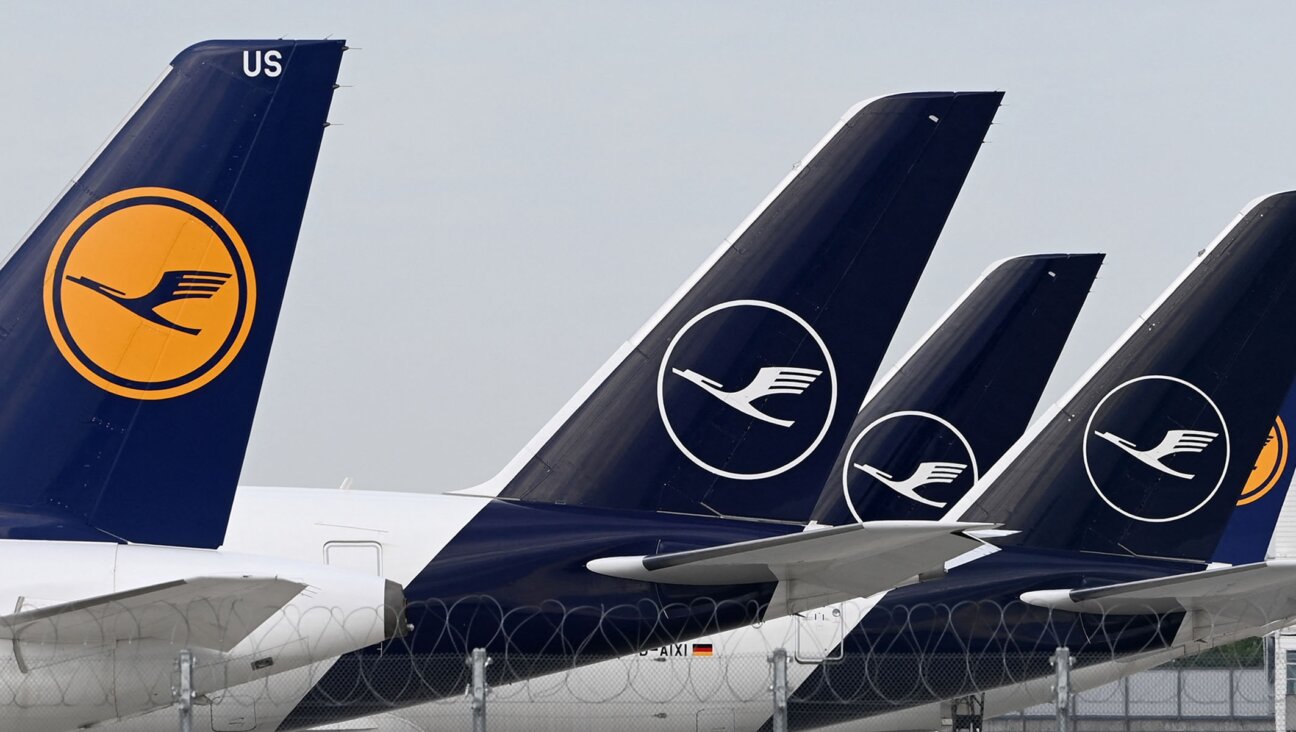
(515, 188)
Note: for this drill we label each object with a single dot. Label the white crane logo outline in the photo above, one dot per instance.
(769, 381)
(928, 473)
(931, 472)
(804, 438)
(1175, 442)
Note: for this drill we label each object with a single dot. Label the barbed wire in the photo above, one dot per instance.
(850, 661)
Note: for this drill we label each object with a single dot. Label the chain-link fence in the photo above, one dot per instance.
(743, 692)
(966, 666)
(1208, 699)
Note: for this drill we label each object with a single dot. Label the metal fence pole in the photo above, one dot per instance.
(779, 721)
(1061, 661)
(183, 691)
(478, 662)
(1126, 682)
(1179, 692)
(1279, 691)
(1232, 686)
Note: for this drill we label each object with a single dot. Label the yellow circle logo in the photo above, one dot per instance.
(1268, 466)
(149, 293)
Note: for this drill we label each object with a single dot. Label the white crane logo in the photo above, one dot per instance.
(731, 444)
(926, 435)
(769, 381)
(1174, 442)
(1194, 448)
(931, 473)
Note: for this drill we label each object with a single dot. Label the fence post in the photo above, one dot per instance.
(779, 721)
(183, 691)
(1061, 662)
(1126, 682)
(1279, 668)
(1179, 692)
(1232, 682)
(478, 661)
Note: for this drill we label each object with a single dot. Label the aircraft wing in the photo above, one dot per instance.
(201, 612)
(1264, 591)
(856, 560)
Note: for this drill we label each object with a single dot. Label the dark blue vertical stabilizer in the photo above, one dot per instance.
(961, 398)
(1250, 529)
(735, 399)
(1147, 456)
(136, 319)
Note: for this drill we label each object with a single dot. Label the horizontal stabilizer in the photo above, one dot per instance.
(856, 560)
(202, 612)
(1265, 587)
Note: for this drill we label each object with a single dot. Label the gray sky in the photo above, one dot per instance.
(517, 187)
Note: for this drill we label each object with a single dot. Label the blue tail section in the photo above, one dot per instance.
(1260, 502)
(962, 396)
(1146, 456)
(137, 317)
(735, 398)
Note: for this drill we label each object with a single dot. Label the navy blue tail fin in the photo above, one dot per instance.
(1260, 502)
(1147, 454)
(730, 400)
(137, 317)
(962, 396)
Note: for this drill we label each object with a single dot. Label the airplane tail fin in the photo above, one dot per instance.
(963, 395)
(1263, 499)
(730, 399)
(1148, 453)
(136, 318)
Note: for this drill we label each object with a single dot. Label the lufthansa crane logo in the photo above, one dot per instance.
(1173, 443)
(746, 389)
(149, 293)
(915, 454)
(1269, 465)
(769, 381)
(928, 473)
(1156, 448)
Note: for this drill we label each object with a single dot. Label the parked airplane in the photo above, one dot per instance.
(135, 324)
(1076, 566)
(1104, 553)
(1109, 554)
(996, 346)
(645, 461)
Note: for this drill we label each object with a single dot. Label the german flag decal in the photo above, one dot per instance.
(703, 649)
